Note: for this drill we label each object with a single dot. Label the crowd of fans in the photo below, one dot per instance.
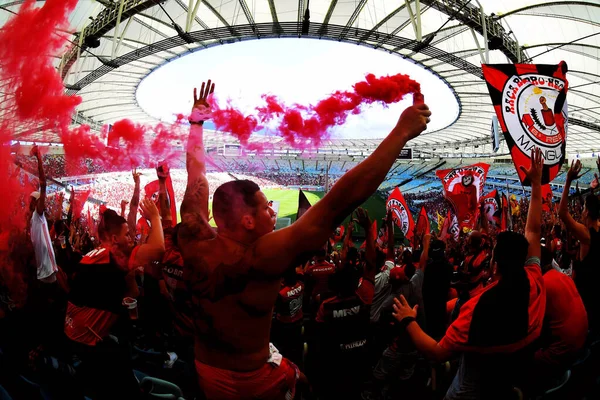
(117, 306)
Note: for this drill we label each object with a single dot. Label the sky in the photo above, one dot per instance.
(300, 71)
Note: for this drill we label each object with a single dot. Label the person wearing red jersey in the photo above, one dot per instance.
(102, 280)
(317, 276)
(565, 327)
(236, 272)
(494, 328)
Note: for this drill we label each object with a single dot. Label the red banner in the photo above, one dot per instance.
(400, 213)
(492, 208)
(423, 226)
(531, 105)
(78, 202)
(463, 187)
(151, 190)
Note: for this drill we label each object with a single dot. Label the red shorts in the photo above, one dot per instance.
(270, 382)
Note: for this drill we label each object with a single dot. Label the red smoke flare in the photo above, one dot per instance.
(300, 125)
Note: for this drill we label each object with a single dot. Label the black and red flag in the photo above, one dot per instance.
(303, 204)
(531, 104)
(463, 187)
(423, 226)
(400, 213)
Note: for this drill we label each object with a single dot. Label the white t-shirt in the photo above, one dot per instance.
(42, 244)
(382, 290)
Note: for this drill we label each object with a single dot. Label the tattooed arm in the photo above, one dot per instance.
(194, 208)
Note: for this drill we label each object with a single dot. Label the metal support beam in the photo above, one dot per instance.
(249, 17)
(122, 36)
(116, 34)
(274, 15)
(415, 18)
(481, 52)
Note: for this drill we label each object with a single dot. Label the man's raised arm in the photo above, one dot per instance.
(154, 248)
(41, 203)
(133, 205)
(162, 171)
(533, 229)
(308, 233)
(194, 208)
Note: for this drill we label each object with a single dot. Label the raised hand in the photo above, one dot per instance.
(413, 121)
(534, 173)
(136, 176)
(362, 218)
(162, 170)
(574, 171)
(205, 90)
(35, 151)
(403, 310)
(148, 209)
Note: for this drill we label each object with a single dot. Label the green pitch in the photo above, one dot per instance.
(288, 206)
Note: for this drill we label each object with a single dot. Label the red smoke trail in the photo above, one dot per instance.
(306, 126)
(34, 101)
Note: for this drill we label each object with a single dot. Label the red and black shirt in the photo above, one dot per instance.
(505, 317)
(288, 307)
(95, 301)
(318, 275)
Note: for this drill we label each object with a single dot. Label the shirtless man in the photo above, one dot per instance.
(236, 272)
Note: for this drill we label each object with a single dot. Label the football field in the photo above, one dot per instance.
(288, 199)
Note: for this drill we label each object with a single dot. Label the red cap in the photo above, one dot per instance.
(418, 98)
(398, 273)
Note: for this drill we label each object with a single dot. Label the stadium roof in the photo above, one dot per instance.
(125, 40)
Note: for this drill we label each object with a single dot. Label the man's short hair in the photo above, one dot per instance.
(592, 205)
(510, 253)
(110, 224)
(231, 198)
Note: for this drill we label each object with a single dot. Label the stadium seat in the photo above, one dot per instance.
(559, 390)
(156, 388)
(4, 394)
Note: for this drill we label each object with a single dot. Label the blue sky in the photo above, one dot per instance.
(301, 71)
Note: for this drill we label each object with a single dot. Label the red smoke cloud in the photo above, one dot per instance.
(301, 124)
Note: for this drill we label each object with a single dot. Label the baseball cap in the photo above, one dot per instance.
(35, 195)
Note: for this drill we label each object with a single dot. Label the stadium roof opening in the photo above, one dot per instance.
(301, 71)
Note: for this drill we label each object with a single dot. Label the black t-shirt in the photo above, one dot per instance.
(436, 284)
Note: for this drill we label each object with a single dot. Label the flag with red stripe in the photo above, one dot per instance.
(531, 105)
(400, 213)
(423, 226)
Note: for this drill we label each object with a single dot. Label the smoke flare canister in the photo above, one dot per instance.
(418, 98)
